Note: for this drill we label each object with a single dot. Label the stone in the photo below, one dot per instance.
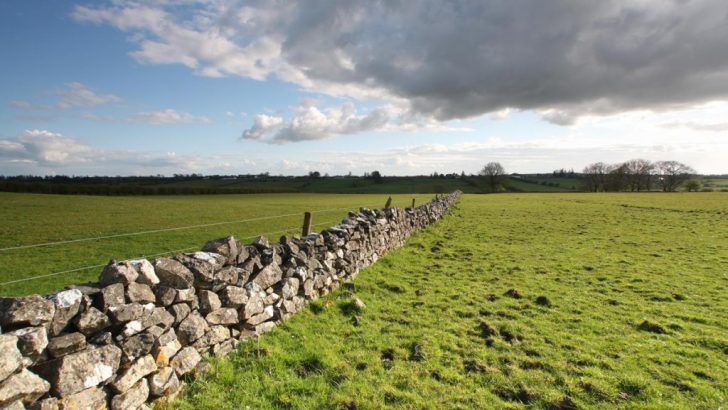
(185, 361)
(165, 348)
(16, 405)
(262, 328)
(191, 328)
(67, 304)
(179, 312)
(164, 382)
(224, 348)
(32, 310)
(203, 265)
(128, 377)
(158, 317)
(140, 293)
(137, 345)
(126, 312)
(133, 398)
(186, 295)
(165, 295)
(261, 317)
(25, 386)
(226, 276)
(254, 306)
(49, 403)
(66, 344)
(146, 272)
(290, 288)
(209, 301)
(269, 276)
(261, 243)
(79, 371)
(216, 334)
(103, 338)
(91, 321)
(233, 296)
(131, 328)
(271, 299)
(358, 303)
(32, 341)
(173, 274)
(118, 272)
(222, 316)
(112, 295)
(226, 247)
(93, 398)
(10, 357)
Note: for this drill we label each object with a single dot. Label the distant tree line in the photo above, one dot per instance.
(638, 175)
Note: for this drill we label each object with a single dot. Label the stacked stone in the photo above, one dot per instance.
(134, 336)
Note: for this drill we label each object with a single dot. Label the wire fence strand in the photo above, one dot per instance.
(150, 256)
(38, 245)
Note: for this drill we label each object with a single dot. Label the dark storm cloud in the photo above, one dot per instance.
(454, 59)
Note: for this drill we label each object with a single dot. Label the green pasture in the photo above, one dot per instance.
(561, 301)
(30, 219)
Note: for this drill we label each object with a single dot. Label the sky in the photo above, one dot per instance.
(131, 87)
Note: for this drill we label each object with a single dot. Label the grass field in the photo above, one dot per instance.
(35, 219)
(592, 300)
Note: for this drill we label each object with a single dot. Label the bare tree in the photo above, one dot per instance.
(495, 176)
(617, 178)
(672, 173)
(639, 174)
(594, 176)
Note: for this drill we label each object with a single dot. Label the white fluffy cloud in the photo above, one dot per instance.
(447, 60)
(310, 122)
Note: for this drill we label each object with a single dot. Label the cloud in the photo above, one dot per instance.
(168, 116)
(309, 122)
(43, 152)
(699, 126)
(72, 95)
(79, 95)
(45, 147)
(262, 125)
(449, 60)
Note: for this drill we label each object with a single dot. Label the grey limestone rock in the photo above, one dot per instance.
(91, 321)
(140, 293)
(118, 272)
(144, 366)
(32, 341)
(67, 304)
(173, 274)
(191, 328)
(185, 361)
(24, 311)
(10, 357)
(66, 344)
(79, 371)
(25, 386)
(133, 398)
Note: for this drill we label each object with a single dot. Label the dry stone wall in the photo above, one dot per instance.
(136, 335)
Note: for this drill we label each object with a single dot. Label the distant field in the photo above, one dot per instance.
(619, 301)
(35, 219)
(715, 183)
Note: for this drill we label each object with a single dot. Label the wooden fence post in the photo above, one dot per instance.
(306, 224)
(413, 203)
(389, 203)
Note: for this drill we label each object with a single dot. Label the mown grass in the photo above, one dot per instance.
(513, 301)
(34, 218)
